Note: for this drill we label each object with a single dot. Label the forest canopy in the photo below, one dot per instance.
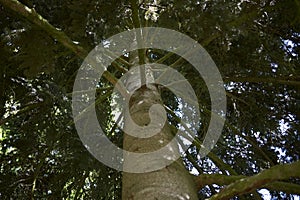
(255, 44)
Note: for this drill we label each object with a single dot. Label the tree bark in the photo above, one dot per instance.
(170, 182)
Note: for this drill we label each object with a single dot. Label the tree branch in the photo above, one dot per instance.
(32, 16)
(276, 80)
(246, 185)
(35, 18)
(289, 188)
(221, 179)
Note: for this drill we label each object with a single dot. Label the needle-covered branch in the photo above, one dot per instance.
(35, 18)
(32, 16)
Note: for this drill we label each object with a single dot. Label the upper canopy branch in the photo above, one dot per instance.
(34, 17)
(61, 37)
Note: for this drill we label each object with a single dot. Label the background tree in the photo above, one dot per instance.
(255, 45)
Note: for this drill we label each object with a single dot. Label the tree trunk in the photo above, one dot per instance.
(170, 182)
